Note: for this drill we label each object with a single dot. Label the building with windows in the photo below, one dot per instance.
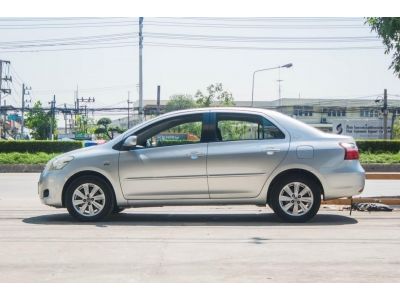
(10, 122)
(361, 118)
(352, 116)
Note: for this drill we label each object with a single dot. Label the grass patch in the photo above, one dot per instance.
(379, 158)
(26, 158)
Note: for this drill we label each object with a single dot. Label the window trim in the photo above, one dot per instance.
(203, 138)
(188, 116)
(213, 126)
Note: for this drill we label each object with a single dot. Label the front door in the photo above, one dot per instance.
(169, 161)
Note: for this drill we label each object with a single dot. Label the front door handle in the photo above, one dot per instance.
(195, 155)
(271, 150)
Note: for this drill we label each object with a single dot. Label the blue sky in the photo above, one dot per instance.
(230, 52)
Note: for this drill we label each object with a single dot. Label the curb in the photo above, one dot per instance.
(347, 201)
(381, 167)
(21, 168)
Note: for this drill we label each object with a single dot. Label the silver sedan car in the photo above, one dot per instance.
(208, 156)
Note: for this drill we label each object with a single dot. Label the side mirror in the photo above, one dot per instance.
(130, 141)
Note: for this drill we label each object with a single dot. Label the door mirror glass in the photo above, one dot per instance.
(130, 141)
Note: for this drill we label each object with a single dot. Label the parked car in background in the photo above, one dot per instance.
(207, 156)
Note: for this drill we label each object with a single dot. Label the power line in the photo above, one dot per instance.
(269, 19)
(261, 48)
(253, 26)
(35, 25)
(67, 41)
(264, 39)
(27, 19)
(69, 49)
(105, 40)
(199, 47)
(87, 37)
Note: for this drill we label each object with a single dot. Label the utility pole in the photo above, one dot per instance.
(394, 113)
(52, 116)
(25, 91)
(4, 68)
(279, 86)
(84, 100)
(279, 90)
(76, 112)
(385, 114)
(158, 99)
(140, 69)
(129, 103)
(65, 119)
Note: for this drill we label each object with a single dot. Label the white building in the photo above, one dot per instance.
(360, 118)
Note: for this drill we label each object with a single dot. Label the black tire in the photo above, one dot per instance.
(107, 203)
(117, 209)
(290, 215)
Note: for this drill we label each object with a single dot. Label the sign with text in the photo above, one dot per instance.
(361, 129)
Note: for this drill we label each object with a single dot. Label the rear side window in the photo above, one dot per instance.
(239, 127)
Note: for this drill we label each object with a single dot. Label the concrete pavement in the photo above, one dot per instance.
(185, 244)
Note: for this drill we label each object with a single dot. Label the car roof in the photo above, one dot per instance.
(220, 108)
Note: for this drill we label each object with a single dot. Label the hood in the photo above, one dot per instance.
(82, 150)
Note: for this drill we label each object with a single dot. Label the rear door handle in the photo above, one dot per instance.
(271, 150)
(195, 155)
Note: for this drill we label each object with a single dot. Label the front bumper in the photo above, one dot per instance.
(50, 187)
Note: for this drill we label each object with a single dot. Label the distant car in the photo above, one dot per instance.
(207, 156)
(88, 143)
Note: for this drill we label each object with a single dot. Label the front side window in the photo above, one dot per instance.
(238, 127)
(174, 131)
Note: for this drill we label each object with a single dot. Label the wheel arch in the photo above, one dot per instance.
(293, 172)
(86, 173)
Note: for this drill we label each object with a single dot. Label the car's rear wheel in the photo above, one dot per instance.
(89, 198)
(295, 198)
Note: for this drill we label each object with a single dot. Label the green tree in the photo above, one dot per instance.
(179, 102)
(389, 30)
(396, 129)
(215, 96)
(39, 122)
(85, 125)
(105, 129)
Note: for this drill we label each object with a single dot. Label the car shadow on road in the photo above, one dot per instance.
(191, 219)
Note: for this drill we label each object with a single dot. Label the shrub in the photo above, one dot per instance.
(379, 146)
(26, 158)
(39, 146)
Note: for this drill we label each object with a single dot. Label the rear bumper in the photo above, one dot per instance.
(345, 182)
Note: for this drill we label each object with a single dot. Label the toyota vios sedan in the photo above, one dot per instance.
(208, 156)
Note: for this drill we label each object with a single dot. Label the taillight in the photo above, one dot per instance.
(350, 151)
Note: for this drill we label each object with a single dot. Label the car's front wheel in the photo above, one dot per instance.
(89, 198)
(295, 198)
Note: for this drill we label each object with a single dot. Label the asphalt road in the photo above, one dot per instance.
(200, 244)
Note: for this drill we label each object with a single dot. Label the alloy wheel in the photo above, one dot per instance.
(88, 199)
(296, 199)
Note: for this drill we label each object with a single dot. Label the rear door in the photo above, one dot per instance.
(247, 147)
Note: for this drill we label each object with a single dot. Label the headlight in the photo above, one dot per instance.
(59, 163)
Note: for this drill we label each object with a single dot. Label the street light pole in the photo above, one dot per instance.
(267, 69)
